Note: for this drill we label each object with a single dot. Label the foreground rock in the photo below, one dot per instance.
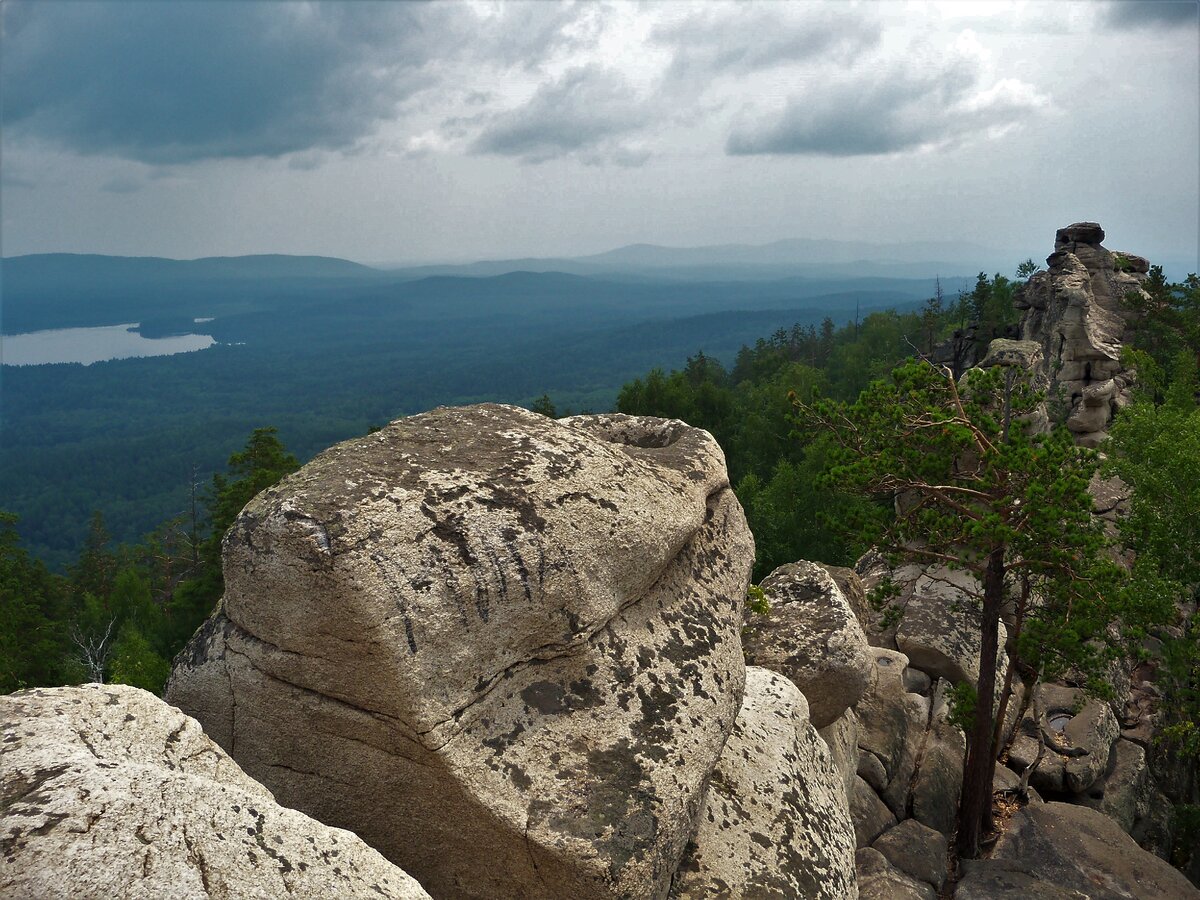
(774, 821)
(1056, 850)
(812, 636)
(481, 628)
(109, 792)
(879, 880)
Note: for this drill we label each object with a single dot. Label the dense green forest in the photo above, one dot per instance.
(322, 358)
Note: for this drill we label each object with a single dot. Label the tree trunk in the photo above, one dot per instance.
(975, 805)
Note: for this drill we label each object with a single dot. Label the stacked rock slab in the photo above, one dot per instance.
(109, 792)
(504, 650)
(1076, 310)
(775, 821)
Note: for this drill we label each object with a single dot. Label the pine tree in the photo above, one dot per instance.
(973, 491)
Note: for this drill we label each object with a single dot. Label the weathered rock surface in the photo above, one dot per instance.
(870, 815)
(812, 636)
(891, 726)
(879, 880)
(915, 850)
(937, 784)
(1076, 722)
(774, 821)
(109, 792)
(481, 628)
(939, 629)
(1076, 311)
(842, 740)
(1058, 850)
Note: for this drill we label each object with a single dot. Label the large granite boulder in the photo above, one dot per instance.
(939, 630)
(812, 636)
(481, 628)
(1057, 850)
(870, 815)
(109, 792)
(774, 821)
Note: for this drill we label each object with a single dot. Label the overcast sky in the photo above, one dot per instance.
(398, 132)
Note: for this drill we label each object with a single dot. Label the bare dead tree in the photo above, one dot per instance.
(93, 649)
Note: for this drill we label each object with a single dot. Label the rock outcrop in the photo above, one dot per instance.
(109, 792)
(812, 636)
(1076, 311)
(503, 649)
(774, 821)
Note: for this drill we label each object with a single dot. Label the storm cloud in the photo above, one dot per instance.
(922, 100)
(1153, 14)
(588, 108)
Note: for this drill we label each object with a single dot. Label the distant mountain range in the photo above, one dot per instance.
(747, 262)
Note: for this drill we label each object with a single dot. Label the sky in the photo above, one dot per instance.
(452, 131)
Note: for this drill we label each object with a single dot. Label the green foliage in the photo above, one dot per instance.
(1027, 268)
(973, 491)
(545, 406)
(962, 699)
(756, 600)
(1155, 449)
(32, 627)
(123, 613)
(136, 662)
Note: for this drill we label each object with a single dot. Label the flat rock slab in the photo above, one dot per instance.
(109, 792)
(879, 880)
(812, 636)
(482, 628)
(774, 821)
(1058, 850)
(915, 850)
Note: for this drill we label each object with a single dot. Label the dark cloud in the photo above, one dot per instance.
(1153, 14)
(888, 110)
(180, 81)
(588, 109)
(749, 38)
(123, 184)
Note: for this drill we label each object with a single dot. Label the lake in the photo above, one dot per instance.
(90, 345)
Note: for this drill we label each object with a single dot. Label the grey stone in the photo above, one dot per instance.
(870, 815)
(109, 792)
(1058, 850)
(940, 628)
(1076, 722)
(938, 784)
(915, 850)
(812, 636)
(879, 880)
(871, 770)
(774, 821)
(1077, 312)
(482, 628)
(916, 681)
(882, 717)
(842, 740)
